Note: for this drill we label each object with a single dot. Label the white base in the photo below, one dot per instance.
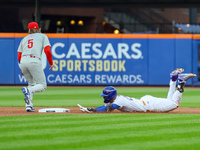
(54, 110)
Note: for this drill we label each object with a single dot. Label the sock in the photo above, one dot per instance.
(181, 87)
(174, 78)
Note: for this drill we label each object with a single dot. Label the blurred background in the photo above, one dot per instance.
(101, 16)
(142, 40)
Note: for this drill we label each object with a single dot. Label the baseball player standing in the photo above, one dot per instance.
(29, 57)
(147, 103)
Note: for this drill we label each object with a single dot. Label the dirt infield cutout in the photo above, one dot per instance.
(16, 111)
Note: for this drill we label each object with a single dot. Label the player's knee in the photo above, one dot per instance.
(44, 87)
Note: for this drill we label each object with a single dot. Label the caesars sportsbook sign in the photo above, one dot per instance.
(96, 62)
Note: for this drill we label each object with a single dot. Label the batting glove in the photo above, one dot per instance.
(84, 109)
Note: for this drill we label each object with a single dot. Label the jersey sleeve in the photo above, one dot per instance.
(19, 56)
(20, 47)
(107, 107)
(46, 41)
(47, 51)
(119, 101)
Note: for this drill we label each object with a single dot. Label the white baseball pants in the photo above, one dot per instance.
(34, 74)
(173, 100)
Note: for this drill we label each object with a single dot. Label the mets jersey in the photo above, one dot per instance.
(147, 103)
(129, 104)
(33, 44)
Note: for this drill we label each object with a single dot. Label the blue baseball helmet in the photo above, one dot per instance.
(109, 93)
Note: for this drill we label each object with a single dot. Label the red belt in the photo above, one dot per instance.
(29, 56)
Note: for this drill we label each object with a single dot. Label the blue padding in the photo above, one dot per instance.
(7, 58)
(183, 56)
(161, 60)
(103, 61)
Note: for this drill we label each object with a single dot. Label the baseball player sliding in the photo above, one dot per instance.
(146, 103)
(29, 57)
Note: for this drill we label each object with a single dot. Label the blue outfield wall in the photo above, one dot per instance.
(7, 58)
(95, 59)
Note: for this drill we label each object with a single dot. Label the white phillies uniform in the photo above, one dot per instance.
(32, 47)
(149, 103)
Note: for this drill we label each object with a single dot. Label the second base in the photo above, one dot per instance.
(60, 110)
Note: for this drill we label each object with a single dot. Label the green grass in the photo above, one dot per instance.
(100, 131)
(71, 96)
(97, 131)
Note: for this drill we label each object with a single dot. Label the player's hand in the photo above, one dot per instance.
(51, 67)
(84, 109)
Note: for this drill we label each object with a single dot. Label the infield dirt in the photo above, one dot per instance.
(17, 111)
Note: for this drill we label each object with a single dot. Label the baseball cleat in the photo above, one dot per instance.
(175, 73)
(182, 78)
(30, 109)
(26, 93)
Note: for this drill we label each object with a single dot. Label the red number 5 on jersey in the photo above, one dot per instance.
(30, 43)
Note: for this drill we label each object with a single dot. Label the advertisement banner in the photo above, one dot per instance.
(95, 61)
(106, 59)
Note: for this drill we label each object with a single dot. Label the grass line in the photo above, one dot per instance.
(97, 131)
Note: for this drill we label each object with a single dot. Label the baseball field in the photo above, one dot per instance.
(178, 129)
